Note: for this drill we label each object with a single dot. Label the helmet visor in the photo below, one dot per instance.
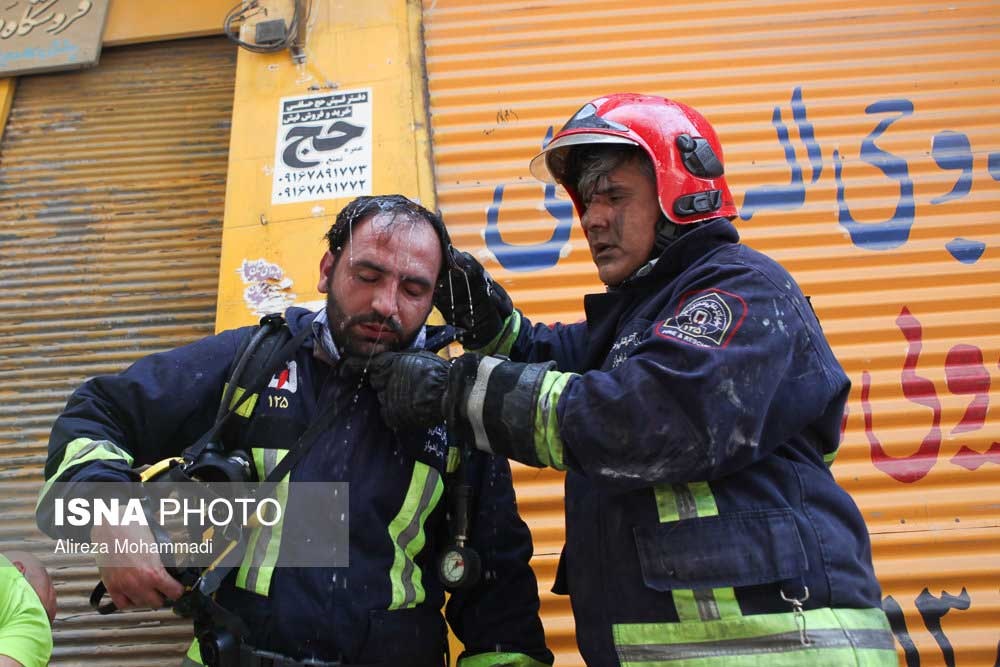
(549, 165)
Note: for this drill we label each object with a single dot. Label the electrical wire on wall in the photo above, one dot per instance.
(272, 35)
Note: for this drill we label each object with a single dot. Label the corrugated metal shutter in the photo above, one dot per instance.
(905, 94)
(112, 186)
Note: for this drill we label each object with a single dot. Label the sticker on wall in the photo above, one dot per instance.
(324, 147)
(267, 289)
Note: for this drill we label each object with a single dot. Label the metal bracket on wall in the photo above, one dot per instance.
(297, 49)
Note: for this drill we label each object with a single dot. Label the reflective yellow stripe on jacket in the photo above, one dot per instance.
(261, 555)
(837, 638)
(688, 501)
(712, 631)
(407, 533)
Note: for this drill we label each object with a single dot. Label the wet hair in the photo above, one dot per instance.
(363, 208)
(587, 164)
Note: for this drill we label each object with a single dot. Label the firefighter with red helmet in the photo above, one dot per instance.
(696, 412)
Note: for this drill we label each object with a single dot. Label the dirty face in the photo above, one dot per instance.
(379, 286)
(619, 221)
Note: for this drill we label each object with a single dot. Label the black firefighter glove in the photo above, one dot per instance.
(471, 300)
(488, 401)
(412, 388)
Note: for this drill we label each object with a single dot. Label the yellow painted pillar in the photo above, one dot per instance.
(7, 87)
(350, 46)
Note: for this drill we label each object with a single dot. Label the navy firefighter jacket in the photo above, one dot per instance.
(385, 607)
(697, 434)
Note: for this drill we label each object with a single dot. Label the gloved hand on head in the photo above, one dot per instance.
(471, 300)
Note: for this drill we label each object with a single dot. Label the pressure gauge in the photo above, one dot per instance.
(458, 567)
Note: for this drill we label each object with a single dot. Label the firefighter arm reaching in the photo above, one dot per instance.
(113, 423)
(669, 411)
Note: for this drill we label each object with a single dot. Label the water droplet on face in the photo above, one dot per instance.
(451, 294)
(350, 240)
(472, 312)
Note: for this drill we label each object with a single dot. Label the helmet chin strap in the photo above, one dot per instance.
(666, 231)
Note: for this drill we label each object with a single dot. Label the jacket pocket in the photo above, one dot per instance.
(740, 549)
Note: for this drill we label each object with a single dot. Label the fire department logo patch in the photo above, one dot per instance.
(707, 318)
(287, 379)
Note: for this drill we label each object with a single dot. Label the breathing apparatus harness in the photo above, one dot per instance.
(219, 631)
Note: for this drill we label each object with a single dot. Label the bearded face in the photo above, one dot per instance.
(379, 289)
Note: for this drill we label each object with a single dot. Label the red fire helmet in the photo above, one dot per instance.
(684, 149)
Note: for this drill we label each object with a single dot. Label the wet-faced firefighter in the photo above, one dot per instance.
(385, 257)
(696, 412)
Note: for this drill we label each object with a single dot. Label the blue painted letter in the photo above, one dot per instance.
(537, 256)
(895, 231)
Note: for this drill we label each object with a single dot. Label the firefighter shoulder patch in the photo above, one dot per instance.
(706, 318)
(287, 379)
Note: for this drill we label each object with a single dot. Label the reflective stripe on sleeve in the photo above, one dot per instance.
(500, 660)
(476, 402)
(548, 442)
(85, 450)
(454, 459)
(829, 457)
(504, 341)
(193, 656)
